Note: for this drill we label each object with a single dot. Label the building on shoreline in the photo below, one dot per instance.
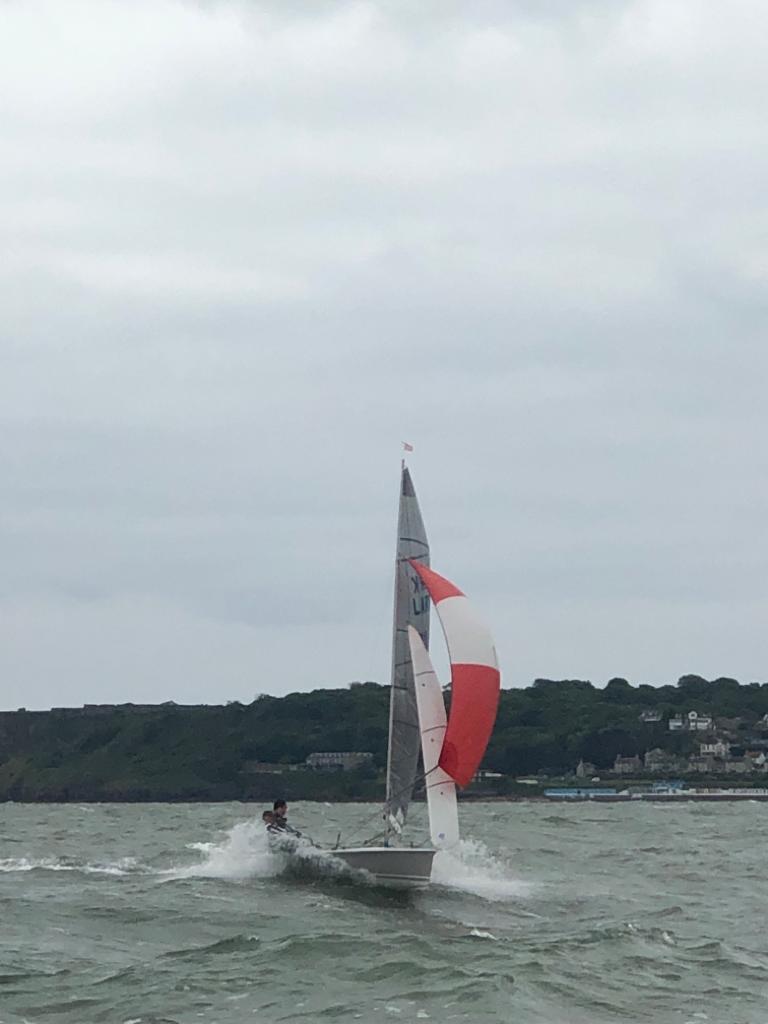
(661, 761)
(334, 761)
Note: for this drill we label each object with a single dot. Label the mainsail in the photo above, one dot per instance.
(411, 609)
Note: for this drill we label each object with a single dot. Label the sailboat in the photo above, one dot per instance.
(451, 746)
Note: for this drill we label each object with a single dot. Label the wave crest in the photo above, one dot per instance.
(471, 867)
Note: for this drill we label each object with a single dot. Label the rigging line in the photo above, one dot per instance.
(387, 804)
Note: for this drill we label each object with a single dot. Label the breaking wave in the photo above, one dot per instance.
(471, 867)
(245, 853)
(123, 866)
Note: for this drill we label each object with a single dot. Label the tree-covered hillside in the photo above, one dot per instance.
(552, 725)
(215, 752)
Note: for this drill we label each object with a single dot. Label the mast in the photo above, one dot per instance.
(411, 608)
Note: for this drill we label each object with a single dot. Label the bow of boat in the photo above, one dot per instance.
(401, 867)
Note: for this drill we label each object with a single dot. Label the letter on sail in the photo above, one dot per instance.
(475, 678)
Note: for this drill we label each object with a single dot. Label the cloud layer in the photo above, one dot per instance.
(248, 248)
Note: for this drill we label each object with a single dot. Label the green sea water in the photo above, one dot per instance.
(546, 914)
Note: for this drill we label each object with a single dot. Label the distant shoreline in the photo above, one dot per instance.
(534, 798)
(620, 736)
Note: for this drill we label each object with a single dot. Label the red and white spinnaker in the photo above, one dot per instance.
(475, 678)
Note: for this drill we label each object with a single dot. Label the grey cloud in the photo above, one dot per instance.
(248, 248)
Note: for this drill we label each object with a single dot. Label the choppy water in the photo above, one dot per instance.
(547, 914)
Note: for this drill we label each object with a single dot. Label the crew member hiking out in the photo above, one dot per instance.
(280, 808)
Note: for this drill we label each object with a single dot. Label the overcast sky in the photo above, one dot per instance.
(248, 248)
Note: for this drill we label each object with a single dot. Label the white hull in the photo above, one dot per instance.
(399, 867)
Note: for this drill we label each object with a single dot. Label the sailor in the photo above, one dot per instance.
(280, 812)
(268, 817)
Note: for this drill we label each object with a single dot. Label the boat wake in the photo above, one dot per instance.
(245, 853)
